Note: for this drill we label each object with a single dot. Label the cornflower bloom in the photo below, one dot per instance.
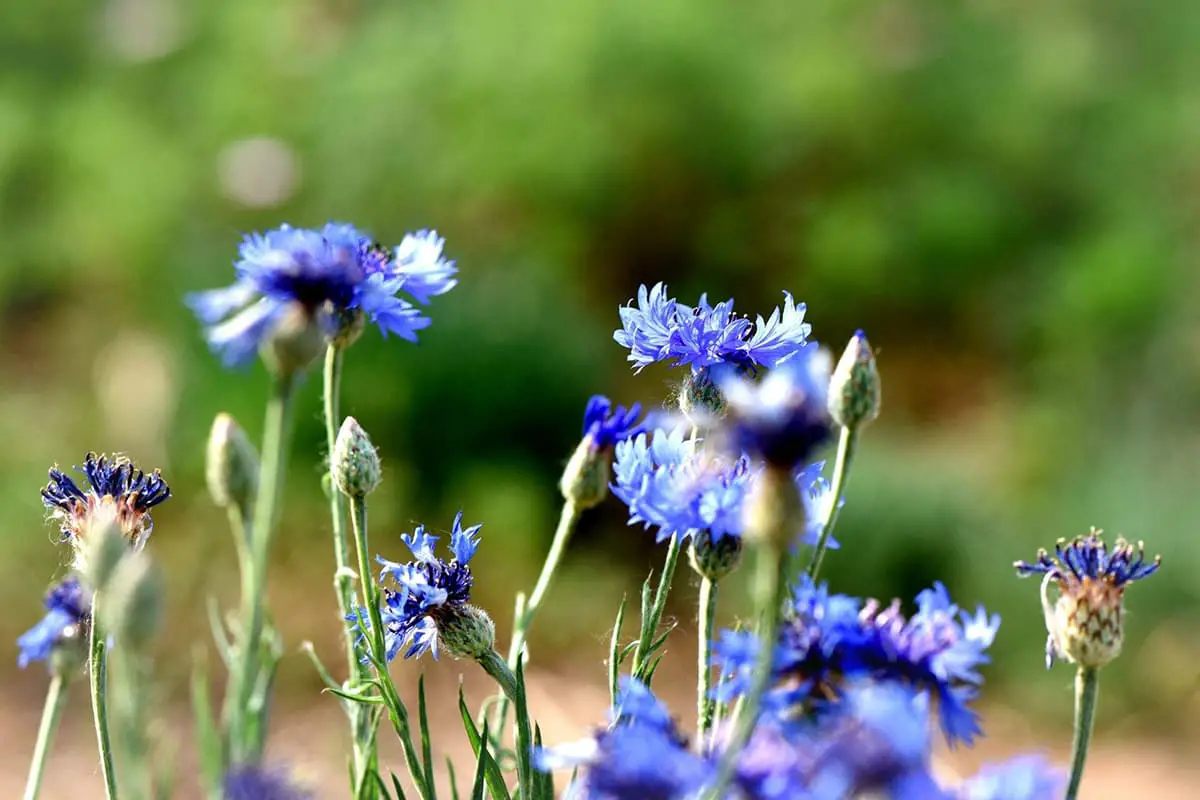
(828, 639)
(115, 486)
(333, 277)
(1085, 626)
(255, 782)
(585, 480)
(428, 601)
(68, 612)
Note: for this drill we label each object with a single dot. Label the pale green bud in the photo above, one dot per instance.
(231, 465)
(585, 479)
(854, 390)
(294, 343)
(466, 631)
(354, 462)
(700, 398)
(715, 559)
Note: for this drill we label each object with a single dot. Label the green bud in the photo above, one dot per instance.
(854, 386)
(131, 607)
(700, 397)
(715, 559)
(466, 631)
(585, 479)
(101, 548)
(231, 465)
(295, 342)
(774, 510)
(349, 324)
(354, 462)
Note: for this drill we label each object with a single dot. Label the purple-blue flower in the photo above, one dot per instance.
(326, 274)
(110, 481)
(68, 608)
(424, 590)
(606, 425)
(253, 782)
(679, 486)
(1022, 778)
(659, 328)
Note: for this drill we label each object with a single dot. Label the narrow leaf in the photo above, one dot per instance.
(492, 774)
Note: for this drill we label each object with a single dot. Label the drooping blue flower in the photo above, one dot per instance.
(606, 425)
(114, 482)
(253, 782)
(659, 328)
(326, 274)
(1022, 778)
(68, 608)
(680, 486)
(1085, 625)
(783, 418)
(828, 639)
(424, 590)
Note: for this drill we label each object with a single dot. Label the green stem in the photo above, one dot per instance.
(770, 590)
(56, 696)
(567, 521)
(708, 615)
(276, 444)
(644, 650)
(841, 470)
(496, 667)
(98, 672)
(1087, 691)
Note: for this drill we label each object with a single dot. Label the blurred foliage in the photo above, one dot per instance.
(1004, 195)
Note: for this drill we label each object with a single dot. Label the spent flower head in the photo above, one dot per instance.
(114, 487)
(1085, 625)
(328, 280)
(68, 613)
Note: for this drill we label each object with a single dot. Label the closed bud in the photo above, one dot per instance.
(294, 343)
(349, 324)
(700, 398)
(101, 548)
(775, 510)
(131, 607)
(354, 462)
(854, 389)
(714, 559)
(466, 631)
(585, 479)
(231, 465)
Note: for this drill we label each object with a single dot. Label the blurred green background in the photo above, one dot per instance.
(1006, 196)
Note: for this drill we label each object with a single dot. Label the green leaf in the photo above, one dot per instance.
(615, 654)
(524, 743)
(220, 638)
(543, 782)
(453, 779)
(492, 774)
(208, 741)
(396, 785)
(481, 768)
(426, 748)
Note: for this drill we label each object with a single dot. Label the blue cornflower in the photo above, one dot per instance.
(606, 425)
(675, 484)
(261, 783)
(782, 419)
(660, 329)
(68, 609)
(111, 482)
(1022, 778)
(828, 639)
(428, 590)
(1085, 625)
(330, 276)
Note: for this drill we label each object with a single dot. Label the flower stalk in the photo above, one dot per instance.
(1087, 692)
(98, 672)
(847, 442)
(56, 697)
(708, 616)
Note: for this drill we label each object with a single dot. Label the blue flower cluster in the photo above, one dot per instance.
(68, 611)
(673, 483)
(659, 328)
(425, 589)
(830, 638)
(114, 481)
(327, 274)
(874, 739)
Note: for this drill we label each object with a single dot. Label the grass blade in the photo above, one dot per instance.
(426, 748)
(492, 774)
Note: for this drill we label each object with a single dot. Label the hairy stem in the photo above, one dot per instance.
(98, 672)
(1087, 691)
(56, 696)
(841, 471)
(708, 615)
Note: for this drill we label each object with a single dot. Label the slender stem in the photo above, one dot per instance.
(841, 470)
(770, 589)
(98, 670)
(276, 445)
(56, 696)
(562, 535)
(496, 667)
(708, 615)
(643, 652)
(1087, 690)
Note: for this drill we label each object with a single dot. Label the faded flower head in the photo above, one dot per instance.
(1085, 625)
(114, 486)
(427, 594)
(329, 279)
(68, 611)
(659, 328)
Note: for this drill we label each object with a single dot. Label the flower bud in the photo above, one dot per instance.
(854, 387)
(101, 548)
(585, 479)
(349, 324)
(294, 343)
(132, 604)
(700, 397)
(715, 559)
(354, 462)
(774, 510)
(466, 631)
(231, 465)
